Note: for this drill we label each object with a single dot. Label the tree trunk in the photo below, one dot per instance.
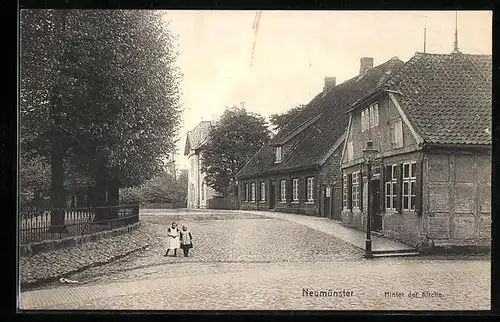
(100, 191)
(58, 200)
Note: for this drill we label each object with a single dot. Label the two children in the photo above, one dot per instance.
(179, 239)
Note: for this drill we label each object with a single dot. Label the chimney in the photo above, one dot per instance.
(242, 105)
(330, 83)
(366, 63)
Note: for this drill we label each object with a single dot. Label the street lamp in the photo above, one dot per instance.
(369, 153)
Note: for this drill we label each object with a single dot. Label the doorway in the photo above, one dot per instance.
(375, 205)
(327, 201)
(272, 194)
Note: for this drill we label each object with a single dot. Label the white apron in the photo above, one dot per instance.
(173, 243)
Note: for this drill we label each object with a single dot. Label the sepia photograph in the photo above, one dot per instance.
(254, 160)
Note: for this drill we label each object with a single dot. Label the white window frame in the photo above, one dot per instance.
(310, 189)
(409, 180)
(262, 191)
(389, 190)
(370, 117)
(363, 121)
(355, 189)
(397, 134)
(252, 191)
(375, 114)
(283, 190)
(345, 198)
(295, 190)
(279, 154)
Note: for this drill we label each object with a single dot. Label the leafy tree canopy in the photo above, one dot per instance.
(235, 138)
(115, 75)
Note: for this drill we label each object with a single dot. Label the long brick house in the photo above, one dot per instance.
(431, 125)
(198, 192)
(298, 170)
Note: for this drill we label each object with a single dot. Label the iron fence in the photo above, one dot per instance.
(37, 225)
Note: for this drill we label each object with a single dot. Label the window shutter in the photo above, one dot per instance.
(399, 187)
(418, 186)
(349, 191)
(382, 188)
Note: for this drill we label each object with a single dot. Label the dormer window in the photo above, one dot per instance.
(279, 154)
(369, 117)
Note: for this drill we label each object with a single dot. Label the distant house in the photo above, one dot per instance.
(299, 171)
(431, 123)
(198, 191)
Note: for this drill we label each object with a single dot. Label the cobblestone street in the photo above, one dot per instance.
(248, 261)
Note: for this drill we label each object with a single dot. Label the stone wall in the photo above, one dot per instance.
(50, 245)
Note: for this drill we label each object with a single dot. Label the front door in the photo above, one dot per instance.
(375, 208)
(272, 195)
(327, 201)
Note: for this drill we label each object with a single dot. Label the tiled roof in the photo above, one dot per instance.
(310, 145)
(447, 97)
(196, 137)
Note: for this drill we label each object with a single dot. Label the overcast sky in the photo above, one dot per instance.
(295, 50)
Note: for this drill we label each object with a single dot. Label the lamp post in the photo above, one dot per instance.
(369, 153)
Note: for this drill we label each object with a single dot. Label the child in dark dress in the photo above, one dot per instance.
(186, 240)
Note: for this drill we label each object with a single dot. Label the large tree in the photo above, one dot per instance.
(99, 90)
(279, 120)
(233, 141)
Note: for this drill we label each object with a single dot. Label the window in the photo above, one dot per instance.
(245, 192)
(363, 121)
(252, 191)
(203, 191)
(397, 135)
(372, 118)
(295, 189)
(390, 187)
(283, 190)
(355, 190)
(344, 192)
(310, 189)
(262, 191)
(409, 185)
(279, 154)
(369, 117)
(350, 150)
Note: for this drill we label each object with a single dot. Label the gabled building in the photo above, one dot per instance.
(198, 192)
(299, 171)
(431, 125)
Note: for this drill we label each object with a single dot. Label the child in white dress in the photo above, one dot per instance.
(173, 239)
